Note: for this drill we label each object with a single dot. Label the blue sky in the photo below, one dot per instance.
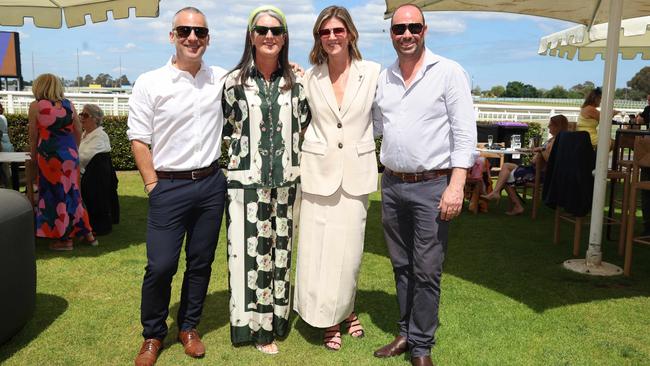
(494, 48)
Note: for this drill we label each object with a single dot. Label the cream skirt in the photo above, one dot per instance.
(330, 247)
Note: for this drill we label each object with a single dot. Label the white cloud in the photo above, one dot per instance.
(87, 53)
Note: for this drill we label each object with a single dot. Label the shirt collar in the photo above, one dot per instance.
(176, 73)
(255, 73)
(430, 59)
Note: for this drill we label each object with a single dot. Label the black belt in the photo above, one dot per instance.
(197, 174)
(419, 176)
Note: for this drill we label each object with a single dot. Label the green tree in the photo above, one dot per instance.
(629, 94)
(104, 80)
(557, 91)
(530, 91)
(497, 90)
(581, 90)
(123, 80)
(514, 89)
(641, 81)
(88, 79)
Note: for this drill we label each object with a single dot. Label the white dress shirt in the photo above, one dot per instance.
(91, 144)
(430, 124)
(179, 116)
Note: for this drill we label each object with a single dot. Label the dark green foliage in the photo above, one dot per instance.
(115, 127)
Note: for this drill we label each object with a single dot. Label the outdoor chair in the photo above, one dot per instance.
(621, 162)
(477, 182)
(535, 187)
(569, 183)
(641, 161)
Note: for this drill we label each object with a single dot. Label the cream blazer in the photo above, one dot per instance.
(339, 148)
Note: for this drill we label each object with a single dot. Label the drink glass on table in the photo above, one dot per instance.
(490, 139)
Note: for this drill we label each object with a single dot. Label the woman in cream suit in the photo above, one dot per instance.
(338, 170)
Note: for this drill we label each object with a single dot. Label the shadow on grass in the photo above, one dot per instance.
(515, 257)
(131, 231)
(215, 315)
(380, 306)
(48, 309)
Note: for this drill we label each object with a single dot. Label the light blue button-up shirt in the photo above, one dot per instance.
(430, 124)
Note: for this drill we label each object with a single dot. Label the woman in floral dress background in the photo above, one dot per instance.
(54, 134)
(265, 110)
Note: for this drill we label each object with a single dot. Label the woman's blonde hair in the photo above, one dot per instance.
(48, 86)
(318, 55)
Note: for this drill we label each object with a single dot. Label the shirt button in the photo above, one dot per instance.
(340, 145)
(339, 125)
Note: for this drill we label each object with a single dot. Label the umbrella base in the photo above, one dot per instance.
(581, 266)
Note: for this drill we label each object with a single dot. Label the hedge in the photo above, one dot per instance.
(115, 127)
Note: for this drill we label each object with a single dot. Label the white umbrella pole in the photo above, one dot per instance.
(593, 264)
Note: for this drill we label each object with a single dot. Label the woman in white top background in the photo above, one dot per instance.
(98, 178)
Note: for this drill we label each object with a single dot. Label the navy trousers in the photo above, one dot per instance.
(180, 209)
(416, 238)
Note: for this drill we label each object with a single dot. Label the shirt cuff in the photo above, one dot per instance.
(139, 136)
(462, 159)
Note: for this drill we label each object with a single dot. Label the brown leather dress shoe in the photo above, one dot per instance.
(421, 361)
(148, 352)
(192, 343)
(394, 348)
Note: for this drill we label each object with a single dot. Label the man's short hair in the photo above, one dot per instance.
(189, 9)
(412, 5)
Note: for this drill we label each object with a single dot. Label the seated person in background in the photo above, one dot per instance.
(5, 146)
(93, 140)
(511, 174)
(643, 118)
(98, 179)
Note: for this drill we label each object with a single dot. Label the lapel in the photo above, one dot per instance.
(355, 79)
(326, 89)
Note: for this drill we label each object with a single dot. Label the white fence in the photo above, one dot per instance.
(111, 104)
(117, 105)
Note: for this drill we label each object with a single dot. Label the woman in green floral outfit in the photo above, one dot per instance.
(265, 110)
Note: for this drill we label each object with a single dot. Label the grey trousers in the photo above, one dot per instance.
(416, 238)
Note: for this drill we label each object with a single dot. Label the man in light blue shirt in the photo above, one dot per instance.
(424, 110)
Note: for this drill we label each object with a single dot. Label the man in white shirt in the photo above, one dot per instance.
(423, 107)
(176, 110)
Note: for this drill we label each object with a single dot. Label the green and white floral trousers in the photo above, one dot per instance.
(260, 226)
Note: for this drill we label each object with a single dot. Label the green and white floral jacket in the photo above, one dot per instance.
(263, 123)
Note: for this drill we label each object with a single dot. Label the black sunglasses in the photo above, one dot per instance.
(84, 115)
(325, 32)
(262, 30)
(414, 28)
(184, 31)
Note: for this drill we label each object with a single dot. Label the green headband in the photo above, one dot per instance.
(262, 8)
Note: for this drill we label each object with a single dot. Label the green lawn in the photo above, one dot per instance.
(506, 300)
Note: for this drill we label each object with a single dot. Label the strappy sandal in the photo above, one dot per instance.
(332, 338)
(91, 240)
(355, 330)
(268, 348)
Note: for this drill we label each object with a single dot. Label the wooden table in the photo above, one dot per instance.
(15, 159)
(539, 166)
